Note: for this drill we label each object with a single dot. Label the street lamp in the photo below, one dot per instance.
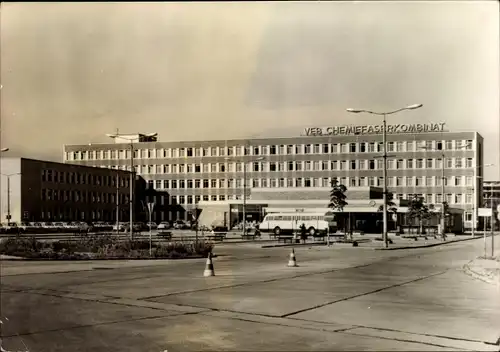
(131, 140)
(384, 114)
(245, 187)
(8, 193)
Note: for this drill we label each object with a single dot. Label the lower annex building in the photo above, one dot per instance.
(186, 173)
(43, 191)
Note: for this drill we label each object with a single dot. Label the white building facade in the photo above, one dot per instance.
(187, 172)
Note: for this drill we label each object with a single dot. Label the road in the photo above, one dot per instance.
(339, 298)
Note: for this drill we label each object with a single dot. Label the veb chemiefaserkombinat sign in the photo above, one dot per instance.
(374, 129)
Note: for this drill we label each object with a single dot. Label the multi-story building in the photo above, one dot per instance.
(36, 190)
(491, 193)
(219, 170)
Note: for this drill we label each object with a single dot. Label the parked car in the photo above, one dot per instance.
(120, 227)
(164, 225)
(152, 224)
(10, 227)
(179, 224)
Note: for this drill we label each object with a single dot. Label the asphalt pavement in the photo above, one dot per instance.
(337, 299)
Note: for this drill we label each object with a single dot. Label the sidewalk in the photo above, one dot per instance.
(487, 270)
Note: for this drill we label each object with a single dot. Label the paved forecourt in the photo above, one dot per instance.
(338, 298)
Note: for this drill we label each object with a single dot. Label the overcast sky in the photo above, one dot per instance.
(73, 72)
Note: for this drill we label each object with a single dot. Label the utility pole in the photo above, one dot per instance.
(117, 203)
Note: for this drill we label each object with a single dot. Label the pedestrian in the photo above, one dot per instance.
(303, 233)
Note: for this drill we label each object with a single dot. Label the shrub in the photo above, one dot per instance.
(89, 247)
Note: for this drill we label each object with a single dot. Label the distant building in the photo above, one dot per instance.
(36, 190)
(491, 194)
(188, 172)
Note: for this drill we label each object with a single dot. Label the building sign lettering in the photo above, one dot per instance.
(375, 129)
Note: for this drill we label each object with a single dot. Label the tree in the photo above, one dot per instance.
(417, 209)
(338, 201)
(391, 206)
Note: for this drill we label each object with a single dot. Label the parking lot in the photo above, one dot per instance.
(338, 298)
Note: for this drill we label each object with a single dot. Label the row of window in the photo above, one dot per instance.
(451, 198)
(81, 196)
(82, 178)
(291, 149)
(325, 165)
(407, 181)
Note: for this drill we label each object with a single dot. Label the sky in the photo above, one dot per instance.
(72, 72)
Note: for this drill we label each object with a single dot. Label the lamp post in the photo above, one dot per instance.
(132, 177)
(245, 188)
(384, 141)
(8, 194)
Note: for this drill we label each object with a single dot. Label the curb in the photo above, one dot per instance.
(295, 245)
(467, 270)
(429, 245)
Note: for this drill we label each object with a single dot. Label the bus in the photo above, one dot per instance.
(315, 223)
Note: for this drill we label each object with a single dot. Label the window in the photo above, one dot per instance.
(469, 162)
(307, 149)
(307, 182)
(468, 198)
(399, 181)
(182, 184)
(189, 183)
(428, 164)
(317, 148)
(449, 145)
(409, 181)
(419, 181)
(289, 149)
(272, 167)
(362, 165)
(334, 165)
(272, 150)
(420, 163)
(353, 164)
(458, 198)
(298, 149)
(352, 147)
(158, 184)
(428, 181)
(371, 147)
(390, 164)
(326, 149)
(469, 144)
(390, 146)
(399, 147)
(362, 147)
(298, 182)
(449, 163)
(307, 166)
(400, 164)
(439, 198)
(458, 163)
(458, 181)
(197, 183)
(468, 180)
(166, 184)
(371, 164)
(213, 183)
(409, 164)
